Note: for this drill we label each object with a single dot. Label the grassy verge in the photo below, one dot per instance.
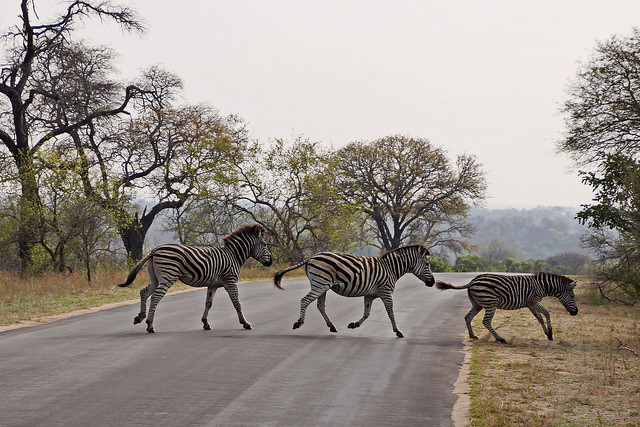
(583, 378)
(31, 298)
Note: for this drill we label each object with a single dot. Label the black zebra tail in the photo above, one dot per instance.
(278, 276)
(134, 271)
(444, 286)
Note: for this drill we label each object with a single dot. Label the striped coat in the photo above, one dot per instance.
(211, 267)
(359, 276)
(512, 292)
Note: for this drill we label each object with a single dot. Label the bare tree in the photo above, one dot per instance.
(28, 44)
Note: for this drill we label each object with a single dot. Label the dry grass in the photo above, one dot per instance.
(31, 298)
(583, 378)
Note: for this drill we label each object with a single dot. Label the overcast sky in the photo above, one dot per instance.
(478, 77)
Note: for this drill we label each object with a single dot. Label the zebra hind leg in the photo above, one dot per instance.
(488, 316)
(321, 307)
(207, 306)
(155, 299)
(368, 301)
(468, 318)
(314, 293)
(144, 295)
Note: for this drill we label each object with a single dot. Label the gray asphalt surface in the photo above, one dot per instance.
(99, 369)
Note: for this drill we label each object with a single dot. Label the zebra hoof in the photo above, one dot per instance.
(333, 329)
(151, 330)
(297, 325)
(399, 334)
(473, 337)
(206, 327)
(502, 340)
(137, 320)
(352, 325)
(550, 337)
(247, 326)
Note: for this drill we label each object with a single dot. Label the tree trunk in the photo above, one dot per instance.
(134, 233)
(29, 211)
(133, 240)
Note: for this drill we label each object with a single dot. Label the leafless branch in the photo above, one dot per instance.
(623, 346)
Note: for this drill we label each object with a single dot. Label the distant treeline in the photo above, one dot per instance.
(523, 241)
(535, 233)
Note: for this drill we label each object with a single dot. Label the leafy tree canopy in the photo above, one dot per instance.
(602, 115)
(406, 187)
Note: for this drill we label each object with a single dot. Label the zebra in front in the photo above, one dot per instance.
(359, 276)
(213, 267)
(512, 292)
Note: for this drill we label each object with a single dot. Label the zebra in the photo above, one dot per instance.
(359, 276)
(511, 292)
(213, 267)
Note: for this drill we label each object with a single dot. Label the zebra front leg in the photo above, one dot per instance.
(211, 291)
(488, 316)
(321, 307)
(232, 290)
(155, 300)
(368, 301)
(388, 304)
(547, 330)
(144, 295)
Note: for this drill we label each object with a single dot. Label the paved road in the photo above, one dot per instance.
(99, 369)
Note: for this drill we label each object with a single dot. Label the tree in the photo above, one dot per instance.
(407, 188)
(615, 221)
(289, 188)
(21, 133)
(617, 194)
(471, 263)
(93, 233)
(157, 157)
(568, 262)
(514, 266)
(495, 253)
(157, 149)
(602, 112)
(171, 154)
(602, 116)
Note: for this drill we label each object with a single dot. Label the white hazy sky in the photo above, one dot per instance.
(478, 77)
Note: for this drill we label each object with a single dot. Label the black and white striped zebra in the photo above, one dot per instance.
(213, 267)
(511, 292)
(359, 276)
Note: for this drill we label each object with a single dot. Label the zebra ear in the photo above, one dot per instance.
(425, 251)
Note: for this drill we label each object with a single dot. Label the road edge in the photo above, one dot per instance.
(55, 317)
(460, 411)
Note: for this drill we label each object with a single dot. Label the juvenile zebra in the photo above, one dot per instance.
(359, 276)
(511, 292)
(213, 267)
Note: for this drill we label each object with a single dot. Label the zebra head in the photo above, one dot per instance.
(260, 251)
(566, 296)
(422, 268)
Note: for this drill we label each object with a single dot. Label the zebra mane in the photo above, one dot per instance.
(256, 229)
(426, 251)
(541, 275)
